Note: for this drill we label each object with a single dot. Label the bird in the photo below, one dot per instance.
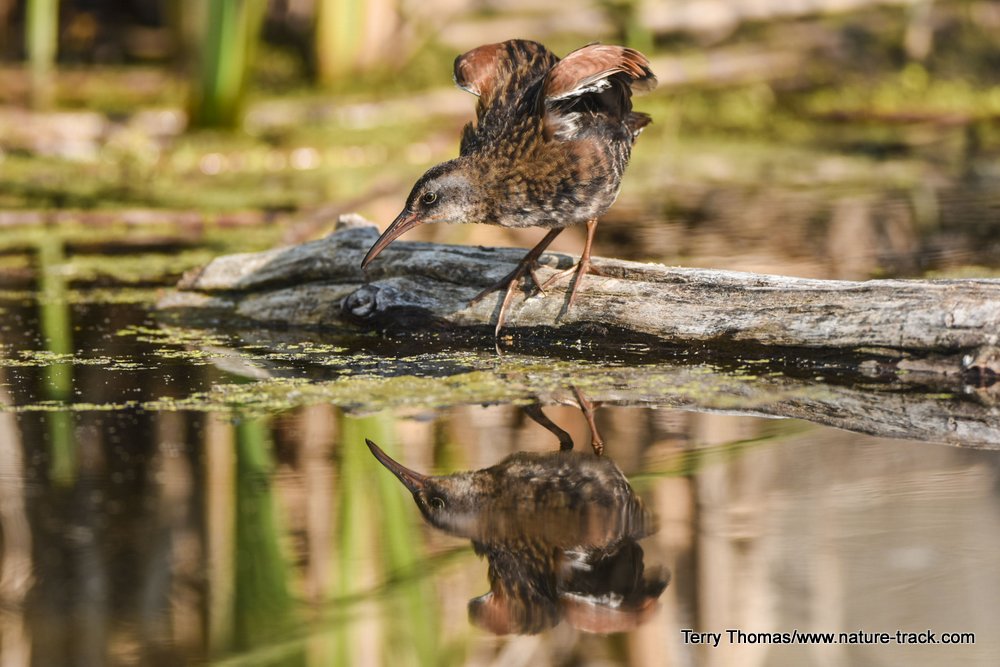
(548, 148)
(559, 531)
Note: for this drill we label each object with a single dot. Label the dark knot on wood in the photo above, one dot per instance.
(362, 303)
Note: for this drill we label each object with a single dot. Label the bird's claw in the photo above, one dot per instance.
(579, 270)
(509, 280)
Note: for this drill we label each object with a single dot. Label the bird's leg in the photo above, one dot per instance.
(535, 412)
(525, 266)
(596, 441)
(582, 267)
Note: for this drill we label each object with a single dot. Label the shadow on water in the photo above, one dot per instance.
(855, 391)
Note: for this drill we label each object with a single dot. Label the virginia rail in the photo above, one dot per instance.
(559, 531)
(548, 149)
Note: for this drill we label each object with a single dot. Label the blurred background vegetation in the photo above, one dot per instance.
(868, 128)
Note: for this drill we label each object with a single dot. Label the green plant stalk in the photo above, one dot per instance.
(340, 28)
(228, 41)
(352, 546)
(416, 619)
(42, 38)
(56, 326)
(219, 465)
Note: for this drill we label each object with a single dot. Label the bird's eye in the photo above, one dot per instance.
(437, 502)
(429, 198)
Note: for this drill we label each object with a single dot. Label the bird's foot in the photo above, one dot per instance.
(596, 441)
(523, 268)
(526, 267)
(579, 270)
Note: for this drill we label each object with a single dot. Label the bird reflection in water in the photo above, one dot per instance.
(559, 531)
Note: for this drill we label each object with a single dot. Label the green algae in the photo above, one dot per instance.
(138, 268)
(188, 231)
(364, 382)
(93, 295)
(47, 358)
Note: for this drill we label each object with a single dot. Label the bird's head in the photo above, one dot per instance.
(449, 502)
(446, 193)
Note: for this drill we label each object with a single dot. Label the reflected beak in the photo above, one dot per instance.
(403, 223)
(414, 481)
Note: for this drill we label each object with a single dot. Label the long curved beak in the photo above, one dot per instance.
(403, 223)
(414, 481)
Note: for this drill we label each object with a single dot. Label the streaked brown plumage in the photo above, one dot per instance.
(548, 149)
(559, 531)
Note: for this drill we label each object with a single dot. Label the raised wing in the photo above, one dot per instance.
(476, 71)
(598, 79)
(505, 77)
(595, 68)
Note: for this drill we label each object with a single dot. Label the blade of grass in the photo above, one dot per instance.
(220, 529)
(228, 36)
(352, 546)
(414, 626)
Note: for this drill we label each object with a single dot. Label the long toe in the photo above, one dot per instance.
(577, 281)
(556, 277)
(524, 267)
(503, 283)
(527, 269)
(573, 270)
(578, 271)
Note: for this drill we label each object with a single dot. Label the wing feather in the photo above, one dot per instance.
(506, 77)
(590, 68)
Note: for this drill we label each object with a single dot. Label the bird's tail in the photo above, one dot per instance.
(635, 121)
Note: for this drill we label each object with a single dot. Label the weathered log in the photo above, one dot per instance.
(423, 285)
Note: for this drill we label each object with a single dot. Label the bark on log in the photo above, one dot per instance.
(422, 285)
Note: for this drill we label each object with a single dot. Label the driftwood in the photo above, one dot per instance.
(910, 359)
(419, 286)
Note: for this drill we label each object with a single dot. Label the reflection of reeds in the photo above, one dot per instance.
(412, 632)
(220, 498)
(42, 36)
(263, 605)
(227, 35)
(58, 375)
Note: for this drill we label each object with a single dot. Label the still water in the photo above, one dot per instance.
(176, 496)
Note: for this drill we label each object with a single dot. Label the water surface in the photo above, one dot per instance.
(175, 495)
